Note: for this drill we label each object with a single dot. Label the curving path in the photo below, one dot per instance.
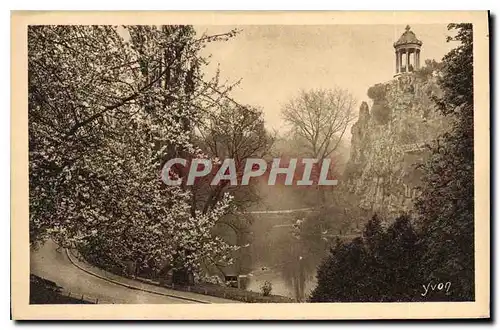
(78, 279)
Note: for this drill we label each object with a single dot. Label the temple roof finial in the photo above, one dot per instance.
(407, 38)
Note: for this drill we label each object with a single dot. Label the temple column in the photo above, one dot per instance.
(414, 58)
(397, 61)
(415, 66)
(407, 60)
(400, 60)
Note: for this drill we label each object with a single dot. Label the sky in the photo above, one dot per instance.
(274, 62)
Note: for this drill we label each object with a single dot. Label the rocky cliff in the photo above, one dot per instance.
(389, 141)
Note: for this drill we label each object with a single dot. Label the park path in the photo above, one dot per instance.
(80, 278)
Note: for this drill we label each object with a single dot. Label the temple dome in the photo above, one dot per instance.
(408, 38)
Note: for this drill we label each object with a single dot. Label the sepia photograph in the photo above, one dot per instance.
(253, 167)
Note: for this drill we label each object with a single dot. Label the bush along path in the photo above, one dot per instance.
(212, 293)
(139, 283)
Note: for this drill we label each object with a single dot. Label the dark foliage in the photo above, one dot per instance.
(43, 291)
(447, 202)
(430, 67)
(378, 266)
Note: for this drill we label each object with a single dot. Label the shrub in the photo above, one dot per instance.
(266, 288)
(377, 92)
(379, 266)
(380, 110)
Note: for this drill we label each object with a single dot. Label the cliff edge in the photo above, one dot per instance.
(390, 140)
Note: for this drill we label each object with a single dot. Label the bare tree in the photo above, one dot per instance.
(237, 132)
(319, 118)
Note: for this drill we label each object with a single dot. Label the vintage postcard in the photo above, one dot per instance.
(250, 165)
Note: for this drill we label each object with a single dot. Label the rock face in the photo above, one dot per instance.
(389, 142)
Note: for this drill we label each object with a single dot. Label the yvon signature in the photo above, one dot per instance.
(436, 287)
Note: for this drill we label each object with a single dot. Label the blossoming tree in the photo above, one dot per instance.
(107, 106)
